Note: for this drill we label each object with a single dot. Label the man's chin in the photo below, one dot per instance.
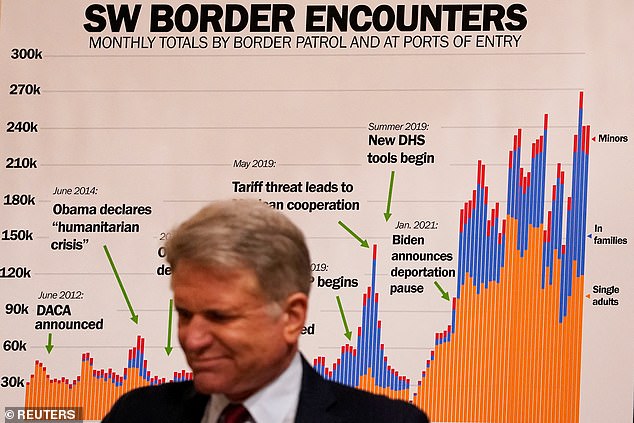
(207, 383)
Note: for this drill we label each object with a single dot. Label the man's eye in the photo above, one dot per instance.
(184, 314)
(218, 317)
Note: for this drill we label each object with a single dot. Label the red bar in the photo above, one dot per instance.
(546, 121)
(479, 172)
(483, 174)
(581, 100)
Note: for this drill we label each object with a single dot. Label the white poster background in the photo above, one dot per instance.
(163, 128)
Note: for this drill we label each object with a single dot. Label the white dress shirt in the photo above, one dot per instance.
(275, 403)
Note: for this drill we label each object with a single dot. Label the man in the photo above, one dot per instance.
(241, 276)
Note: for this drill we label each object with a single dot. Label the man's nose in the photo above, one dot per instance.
(196, 334)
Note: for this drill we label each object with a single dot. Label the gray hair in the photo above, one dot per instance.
(234, 234)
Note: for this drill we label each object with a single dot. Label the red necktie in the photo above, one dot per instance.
(234, 413)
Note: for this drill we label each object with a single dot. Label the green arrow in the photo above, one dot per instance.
(134, 317)
(168, 349)
(49, 346)
(387, 213)
(444, 293)
(343, 317)
(364, 243)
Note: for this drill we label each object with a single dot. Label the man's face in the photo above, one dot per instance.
(235, 340)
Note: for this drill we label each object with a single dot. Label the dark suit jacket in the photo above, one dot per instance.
(320, 401)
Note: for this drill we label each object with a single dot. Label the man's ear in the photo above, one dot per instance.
(295, 309)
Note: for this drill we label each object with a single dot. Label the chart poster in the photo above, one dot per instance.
(461, 171)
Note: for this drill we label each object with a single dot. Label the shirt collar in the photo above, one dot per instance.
(276, 402)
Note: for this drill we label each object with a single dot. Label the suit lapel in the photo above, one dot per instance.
(193, 405)
(315, 398)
